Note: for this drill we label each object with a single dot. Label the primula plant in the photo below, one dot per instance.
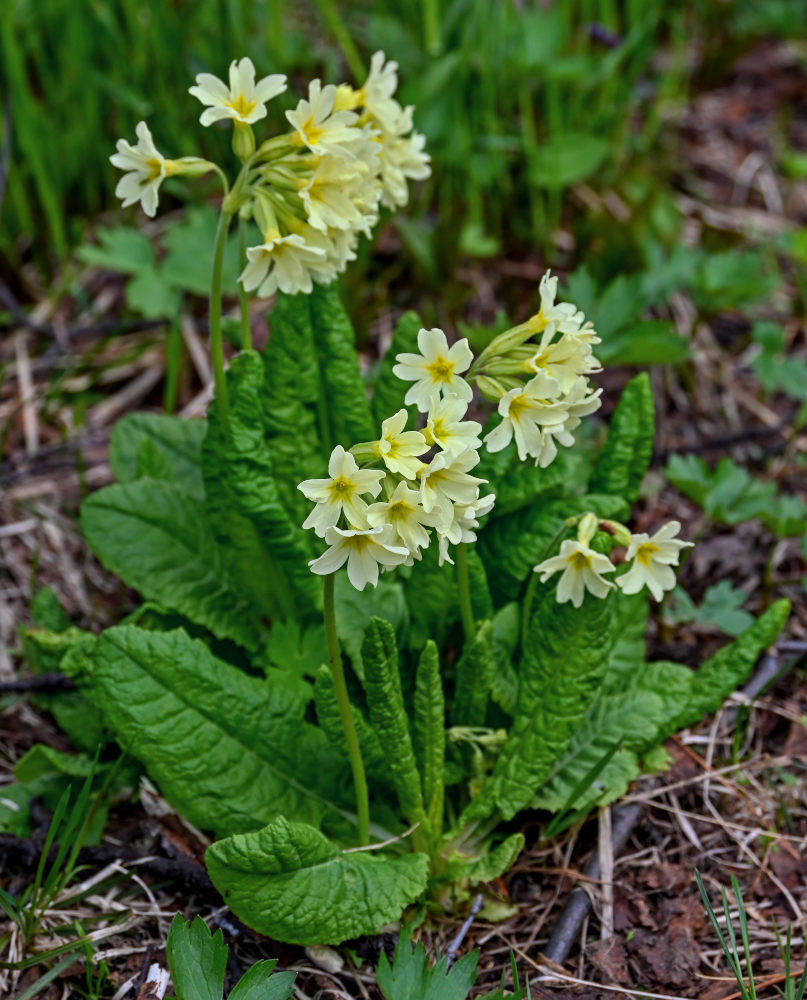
(356, 665)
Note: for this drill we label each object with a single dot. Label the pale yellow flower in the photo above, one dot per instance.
(341, 493)
(363, 549)
(324, 131)
(243, 101)
(398, 449)
(146, 169)
(437, 367)
(582, 569)
(446, 428)
(404, 512)
(653, 556)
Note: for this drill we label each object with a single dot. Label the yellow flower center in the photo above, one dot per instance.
(399, 511)
(441, 369)
(311, 132)
(437, 429)
(644, 554)
(538, 322)
(517, 406)
(341, 489)
(241, 105)
(579, 561)
(155, 167)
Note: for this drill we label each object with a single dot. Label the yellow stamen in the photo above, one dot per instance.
(579, 561)
(241, 105)
(644, 554)
(441, 370)
(341, 489)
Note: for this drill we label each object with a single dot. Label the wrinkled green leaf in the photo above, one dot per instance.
(565, 658)
(291, 394)
(382, 686)
(229, 751)
(354, 609)
(178, 441)
(291, 883)
(157, 540)
(268, 548)
(429, 733)
(622, 463)
(341, 387)
(475, 671)
(329, 720)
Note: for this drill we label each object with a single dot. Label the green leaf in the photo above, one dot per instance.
(722, 606)
(188, 260)
(521, 484)
(329, 720)
(259, 983)
(157, 539)
(354, 609)
(728, 668)
(382, 686)
(506, 635)
(341, 388)
(622, 463)
(229, 751)
(43, 760)
(44, 648)
(291, 883)
(648, 342)
(300, 650)
(120, 248)
(269, 550)
(431, 596)
(493, 864)
(429, 733)
(151, 295)
(290, 410)
(566, 158)
(197, 960)
(510, 546)
(565, 658)
(475, 671)
(178, 441)
(410, 975)
(389, 391)
(728, 493)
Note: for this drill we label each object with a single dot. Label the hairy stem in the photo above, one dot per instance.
(464, 587)
(351, 739)
(243, 298)
(216, 347)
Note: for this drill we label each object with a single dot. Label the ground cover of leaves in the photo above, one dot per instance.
(735, 797)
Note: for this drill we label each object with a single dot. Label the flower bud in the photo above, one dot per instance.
(189, 166)
(588, 525)
(243, 141)
(504, 343)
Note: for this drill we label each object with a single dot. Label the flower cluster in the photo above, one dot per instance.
(420, 480)
(311, 190)
(583, 569)
(538, 372)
